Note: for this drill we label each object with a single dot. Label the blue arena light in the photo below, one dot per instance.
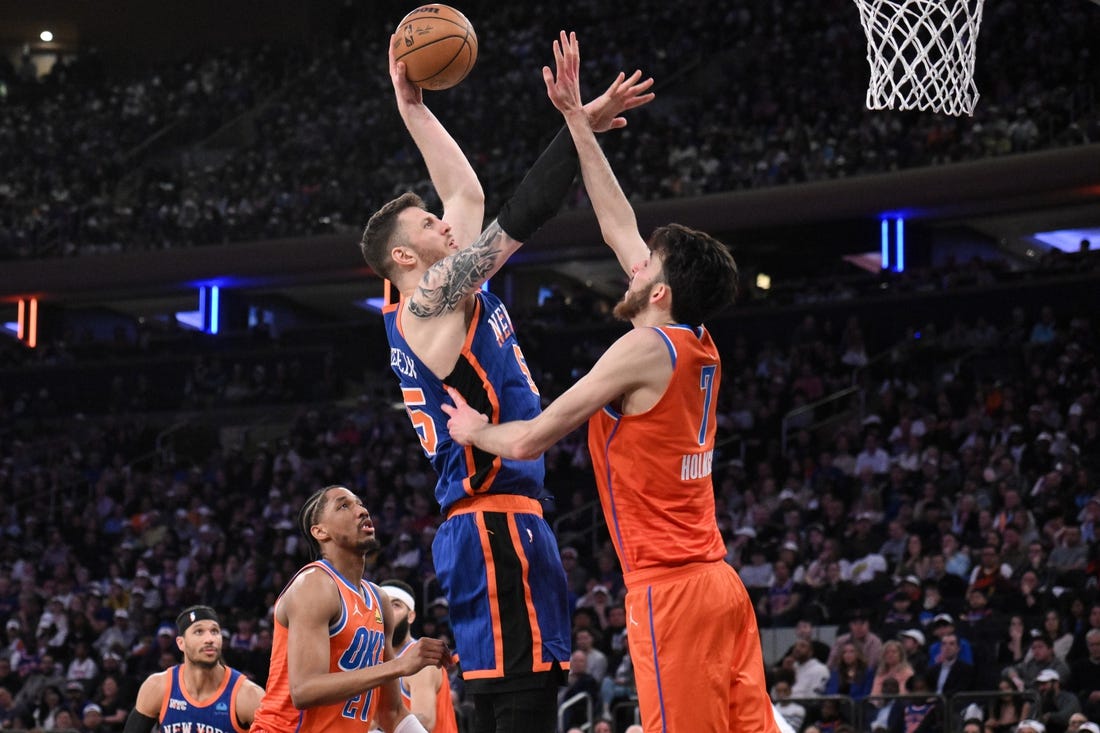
(215, 315)
(892, 242)
(210, 308)
(899, 259)
(885, 244)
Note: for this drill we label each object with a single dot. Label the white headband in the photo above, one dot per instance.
(398, 594)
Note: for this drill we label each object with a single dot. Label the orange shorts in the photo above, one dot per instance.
(696, 651)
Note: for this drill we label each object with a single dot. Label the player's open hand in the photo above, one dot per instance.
(625, 93)
(465, 421)
(426, 652)
(406, 91)
(563, 85)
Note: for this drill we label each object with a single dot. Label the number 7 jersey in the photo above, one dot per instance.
(653, 469)
(492, 376)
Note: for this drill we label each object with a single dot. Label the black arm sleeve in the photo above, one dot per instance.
(539, 195)
(138, 723)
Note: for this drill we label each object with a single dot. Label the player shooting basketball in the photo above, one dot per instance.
(495, 556)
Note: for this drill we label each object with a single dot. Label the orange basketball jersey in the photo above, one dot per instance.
(653, 469)
(356, 640)
(445, 721)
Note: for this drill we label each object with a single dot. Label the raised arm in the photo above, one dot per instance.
(618, 224)
(637, 361)
(534, 202)
(452, 175)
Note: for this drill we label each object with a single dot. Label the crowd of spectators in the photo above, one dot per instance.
(753, 94)
(958, 515)
(961, 510)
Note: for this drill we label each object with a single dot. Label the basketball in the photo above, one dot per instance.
(438, 46)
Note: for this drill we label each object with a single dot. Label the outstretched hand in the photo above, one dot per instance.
(406, 91)
(603, 112)
(625, 93)
(563, 85)
(465, 421)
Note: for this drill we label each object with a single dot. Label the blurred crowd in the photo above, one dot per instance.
(947, 529)
(957, 513)
(308, 141)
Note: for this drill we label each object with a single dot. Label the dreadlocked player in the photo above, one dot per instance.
(332, 664)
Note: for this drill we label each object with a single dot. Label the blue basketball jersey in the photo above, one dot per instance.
(181, 713)
(492, 375)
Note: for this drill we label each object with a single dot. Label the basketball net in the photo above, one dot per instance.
(921, 53)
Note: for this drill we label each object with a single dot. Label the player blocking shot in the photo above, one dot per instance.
(650, 403)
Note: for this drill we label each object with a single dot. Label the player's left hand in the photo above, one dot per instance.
(465, 421)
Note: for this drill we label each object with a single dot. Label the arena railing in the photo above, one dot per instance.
(581, 698)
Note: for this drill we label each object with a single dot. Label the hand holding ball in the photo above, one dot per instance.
(437, 45)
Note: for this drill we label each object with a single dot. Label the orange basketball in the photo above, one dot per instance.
(438, 46)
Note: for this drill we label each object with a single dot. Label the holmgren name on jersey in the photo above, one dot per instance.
(696, 465)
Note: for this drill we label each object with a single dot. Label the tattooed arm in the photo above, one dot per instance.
(450, 281)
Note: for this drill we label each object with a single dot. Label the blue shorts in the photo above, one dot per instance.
(498, 563)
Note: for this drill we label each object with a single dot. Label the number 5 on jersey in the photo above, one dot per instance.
(421, 420)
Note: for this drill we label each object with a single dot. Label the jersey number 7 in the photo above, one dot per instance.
(706, 386)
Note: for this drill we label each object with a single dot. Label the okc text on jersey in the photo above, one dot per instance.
(402, 363)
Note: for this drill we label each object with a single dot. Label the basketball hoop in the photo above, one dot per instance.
(921, 53)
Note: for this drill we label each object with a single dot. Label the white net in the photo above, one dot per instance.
(921, 53)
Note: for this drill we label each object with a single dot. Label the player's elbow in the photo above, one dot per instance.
(471, 195)
(527, 448)
(302, 697)
(427, 719)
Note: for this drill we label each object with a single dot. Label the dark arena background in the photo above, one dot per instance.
(191, 344)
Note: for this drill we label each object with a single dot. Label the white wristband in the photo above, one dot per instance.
(410, 724)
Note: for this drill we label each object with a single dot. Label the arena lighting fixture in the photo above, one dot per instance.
(892, 242)
(884, 238)
(208, 317)
(763, 281)
(46, 36)
(26, 328)
(209, 308)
